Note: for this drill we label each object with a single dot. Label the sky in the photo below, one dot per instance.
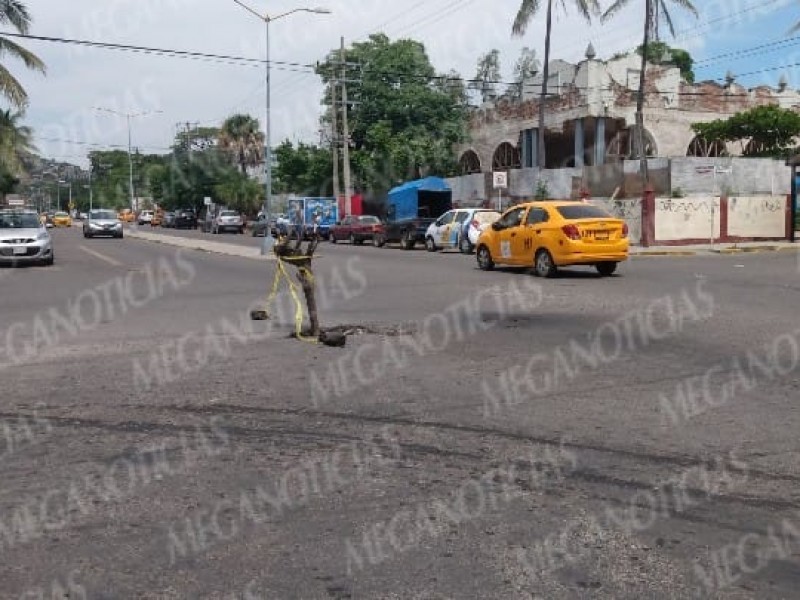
(747, 37)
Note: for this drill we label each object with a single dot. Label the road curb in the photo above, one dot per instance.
(201, 246)
(664, 253)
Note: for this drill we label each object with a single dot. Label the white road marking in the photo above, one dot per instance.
(103, 257)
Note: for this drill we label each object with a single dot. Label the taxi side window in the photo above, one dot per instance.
(512, 218)
(445, 219)
(461, 216)
(536, 216)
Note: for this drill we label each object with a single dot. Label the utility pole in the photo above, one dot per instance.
(335, 140)
(348, 191)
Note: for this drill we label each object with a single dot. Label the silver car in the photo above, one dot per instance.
(102, 222)
(227, 220)
(24, 239)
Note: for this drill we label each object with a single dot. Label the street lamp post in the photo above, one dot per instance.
(266, 248)
(128, 117)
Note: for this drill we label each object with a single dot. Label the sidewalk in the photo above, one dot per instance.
(254, 253)
(724, 248)
(201, 245)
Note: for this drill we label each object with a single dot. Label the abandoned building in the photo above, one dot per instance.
(590, 114)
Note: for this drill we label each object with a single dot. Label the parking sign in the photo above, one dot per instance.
(500, 180)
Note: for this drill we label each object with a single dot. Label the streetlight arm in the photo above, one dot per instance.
(319, 11)
(267, 18)
(250, 10)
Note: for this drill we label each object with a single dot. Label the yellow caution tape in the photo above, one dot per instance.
(282, 273)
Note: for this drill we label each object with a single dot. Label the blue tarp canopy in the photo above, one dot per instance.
(430, 184)
(404, 199)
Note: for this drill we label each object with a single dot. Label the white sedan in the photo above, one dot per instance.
(459, 228)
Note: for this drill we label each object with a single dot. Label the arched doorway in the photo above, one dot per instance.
(621, 146)
(505, 157)
(700, 146)
(469, 163)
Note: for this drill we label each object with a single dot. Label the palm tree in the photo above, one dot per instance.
(650, 8)
(526, 12)
(240, 137)
(15, 13)
(16, 141)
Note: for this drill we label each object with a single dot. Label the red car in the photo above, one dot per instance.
(356, 229)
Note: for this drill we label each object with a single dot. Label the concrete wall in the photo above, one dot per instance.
(687, 218)
(757, 216)
(468, 190)
(747, 177)
(629, 209)
(522, 182)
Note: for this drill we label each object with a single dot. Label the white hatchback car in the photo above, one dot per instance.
(24, 238)
(459, 228)
(145, 217)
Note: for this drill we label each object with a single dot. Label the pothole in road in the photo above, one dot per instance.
(374, 329)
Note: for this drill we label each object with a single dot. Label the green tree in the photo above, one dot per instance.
(303, 170)
(241, 139)
(649, 23)
(15, 13)
(405, 120)
(527, 66)
(487, 75)
(526, 12)
(239, 192)
(659, 53)
(768, 131)
(8, 182)
(16, 141)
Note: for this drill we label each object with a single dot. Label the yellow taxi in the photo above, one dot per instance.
(62, 219)
(551, 234)
(126, 215)
(158, 218)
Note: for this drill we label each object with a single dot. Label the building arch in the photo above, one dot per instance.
(700, 146)
(506, 156)
(621, 146)
(469, 163)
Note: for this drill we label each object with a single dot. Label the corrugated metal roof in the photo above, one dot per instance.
(431, 184)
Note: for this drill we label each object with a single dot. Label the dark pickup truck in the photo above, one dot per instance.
(411, 207)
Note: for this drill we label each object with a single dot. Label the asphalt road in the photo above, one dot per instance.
(481, 435)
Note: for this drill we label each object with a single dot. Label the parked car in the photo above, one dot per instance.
(126, 215)
(357, 229)
(169, 219)
(62, 219)
(261, 225)
(48, 219)
(185, 219)
(145, 217)
(459, 228)
(24, 238)
(102, 222)
(227, 220)
(548, 235)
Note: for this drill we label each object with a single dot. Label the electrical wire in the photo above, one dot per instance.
(186, 54)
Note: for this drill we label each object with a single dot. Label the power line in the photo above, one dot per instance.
(752, 51)
(84, 143)
(187, 54)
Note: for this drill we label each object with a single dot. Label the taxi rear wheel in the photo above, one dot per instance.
(485, 262)
(544, 265)
(606, 269)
